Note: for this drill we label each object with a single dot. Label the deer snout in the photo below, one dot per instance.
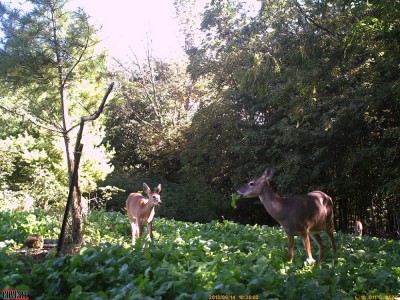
(156, 201)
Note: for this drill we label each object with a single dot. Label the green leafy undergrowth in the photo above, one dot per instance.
(196, 261)
(16, 226)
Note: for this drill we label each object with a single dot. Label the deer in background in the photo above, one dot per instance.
(141, 210)
(358, 228)
(298, 215)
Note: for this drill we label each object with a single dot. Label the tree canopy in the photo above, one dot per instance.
(314, 89)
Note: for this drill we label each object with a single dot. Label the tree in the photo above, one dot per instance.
(49, 72)
(32, 168)
(154, 103)
(188, 16)
(314, 87)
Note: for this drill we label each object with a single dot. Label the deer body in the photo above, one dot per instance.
(298, 215)
(358, 228)
(141, 210)
(305, 211)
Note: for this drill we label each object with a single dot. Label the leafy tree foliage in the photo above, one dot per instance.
(309, 87)
(154, 105)
(31, 172)
(50, 74)
(314, 88)
(154, 102)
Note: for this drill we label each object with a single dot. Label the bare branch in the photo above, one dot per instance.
(156, 104)
(151, 95)
(72, 128)
(92, 117)
(101, 107)
(145, 122)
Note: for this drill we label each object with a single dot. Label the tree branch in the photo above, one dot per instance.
(101, 107)
(156, 104)
(312, 21)
(150, 95)
(97, 113)
(92, 117)
(30, 119)
(77, 61)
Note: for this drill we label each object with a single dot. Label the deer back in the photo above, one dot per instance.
(313, 211)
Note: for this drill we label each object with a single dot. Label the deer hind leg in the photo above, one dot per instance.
(290, 247)
(307, 245)
(332, 239)
(317, 238)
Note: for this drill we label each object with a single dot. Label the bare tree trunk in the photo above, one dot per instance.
(76, 212)
(70, 201)
(74, 198)
(76, 207)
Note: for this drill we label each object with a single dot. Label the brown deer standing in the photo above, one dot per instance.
(358, 228)
(298, 215)
(141, 210)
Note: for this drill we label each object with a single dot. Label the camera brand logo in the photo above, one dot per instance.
(14, 295)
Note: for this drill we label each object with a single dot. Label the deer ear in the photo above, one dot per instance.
(146, 188)
(158, 189)
(268, 173)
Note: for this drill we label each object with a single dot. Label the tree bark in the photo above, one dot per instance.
(74, 198)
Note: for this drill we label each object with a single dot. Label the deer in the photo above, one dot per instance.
(298, 215)
(358, 228)
(141, 210)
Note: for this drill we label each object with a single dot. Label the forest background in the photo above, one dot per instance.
(309, 87)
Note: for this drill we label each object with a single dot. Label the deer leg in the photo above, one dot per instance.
(317, 238)
(307, 245)
(290, 247)
(332, 238)
(150, 230)
(139, 229)
(133, 225)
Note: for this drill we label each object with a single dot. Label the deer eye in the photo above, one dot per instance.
(251, 183)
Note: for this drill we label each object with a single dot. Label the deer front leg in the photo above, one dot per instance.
(133, 229)
(150, 230)
(290, 247)
(307, 245)
(138, 227)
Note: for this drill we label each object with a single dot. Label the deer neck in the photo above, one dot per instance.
(271, 201)
(147, 208)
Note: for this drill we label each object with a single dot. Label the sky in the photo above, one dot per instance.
(127, 25)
